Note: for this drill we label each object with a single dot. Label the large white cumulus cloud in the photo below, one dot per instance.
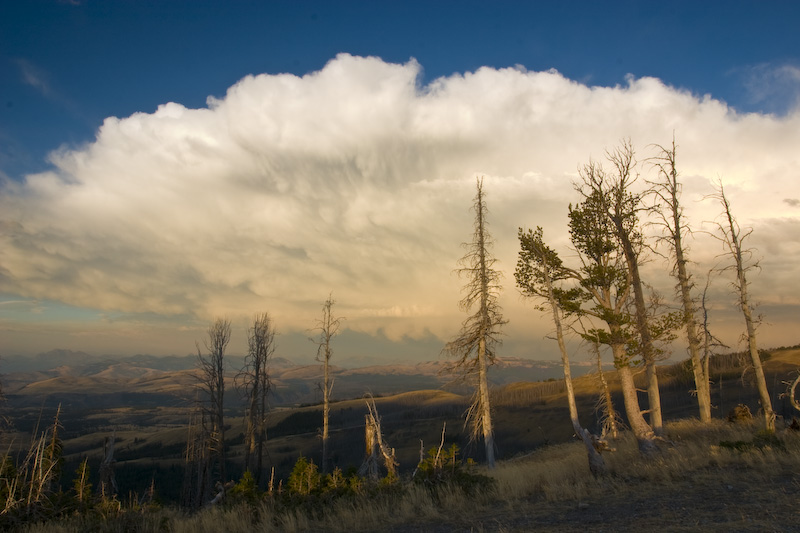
(357, 179)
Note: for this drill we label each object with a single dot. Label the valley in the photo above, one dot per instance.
(147, 409)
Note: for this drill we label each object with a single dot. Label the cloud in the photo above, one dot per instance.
(355, 179)
(35, 77)
(39, 79)
(774, 86)
(794, 202)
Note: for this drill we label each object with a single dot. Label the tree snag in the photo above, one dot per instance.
(731, 236)
(212, 382)
(328, 327)
(473, 349)
(670, 210)
(254, 381)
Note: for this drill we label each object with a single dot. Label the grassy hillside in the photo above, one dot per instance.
(721, 477)
(528, 416)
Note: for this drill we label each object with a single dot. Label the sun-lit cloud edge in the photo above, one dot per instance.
(356, 180)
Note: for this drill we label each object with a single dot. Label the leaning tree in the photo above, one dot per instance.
(732, 237)
(669, 210)
(538, 273)
(613, 192)
(604, 280)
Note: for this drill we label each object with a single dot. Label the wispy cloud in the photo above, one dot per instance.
(35, 77)
(774, 86)
(355, 179)
(39, 79)
(24, 306)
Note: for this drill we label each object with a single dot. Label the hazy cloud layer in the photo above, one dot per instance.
(357, 180)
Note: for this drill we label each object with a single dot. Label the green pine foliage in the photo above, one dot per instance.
(442, 466)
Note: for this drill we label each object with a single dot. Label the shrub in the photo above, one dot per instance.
(443, 467)
(245, 490)
(305, 478)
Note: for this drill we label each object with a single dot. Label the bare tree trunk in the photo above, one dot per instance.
(641, 430)
(328, 327)
(483, 379)
(375, 446)
(212, 380)
(732, 239)
(486, 414)
(326, 413)
(108, 482)
(699, 363)
(648, 350)
(668, 191)
(261, 427)
(536, 268)
(255, 382)
(606, 403)
(597, 464)
(761, 381)
(473, 348)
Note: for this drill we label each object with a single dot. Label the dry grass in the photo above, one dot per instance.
(693, 484)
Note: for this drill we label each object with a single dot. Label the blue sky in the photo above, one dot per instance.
(68, 65)
(101, 239)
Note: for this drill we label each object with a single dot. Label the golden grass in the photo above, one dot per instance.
(693, 484)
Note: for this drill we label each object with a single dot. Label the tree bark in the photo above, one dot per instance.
(641, 430)
(648, 350)
(607, 403)
(486, 414)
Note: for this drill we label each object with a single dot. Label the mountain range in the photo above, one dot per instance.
(52, 375)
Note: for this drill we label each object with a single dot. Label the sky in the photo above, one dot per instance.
(166, 163)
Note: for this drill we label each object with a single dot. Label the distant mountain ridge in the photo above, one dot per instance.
(63, 372)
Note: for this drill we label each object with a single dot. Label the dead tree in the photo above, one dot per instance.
(732, 237)
(609, 419)
(377, 451)
(473, 349)
(670, 211)
(212, 382)
(328, 327)
(108, 481)
(622, 206)
(196, 488)
(539, 267)
(254, 381)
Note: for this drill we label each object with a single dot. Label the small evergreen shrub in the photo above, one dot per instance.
(442, 466)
